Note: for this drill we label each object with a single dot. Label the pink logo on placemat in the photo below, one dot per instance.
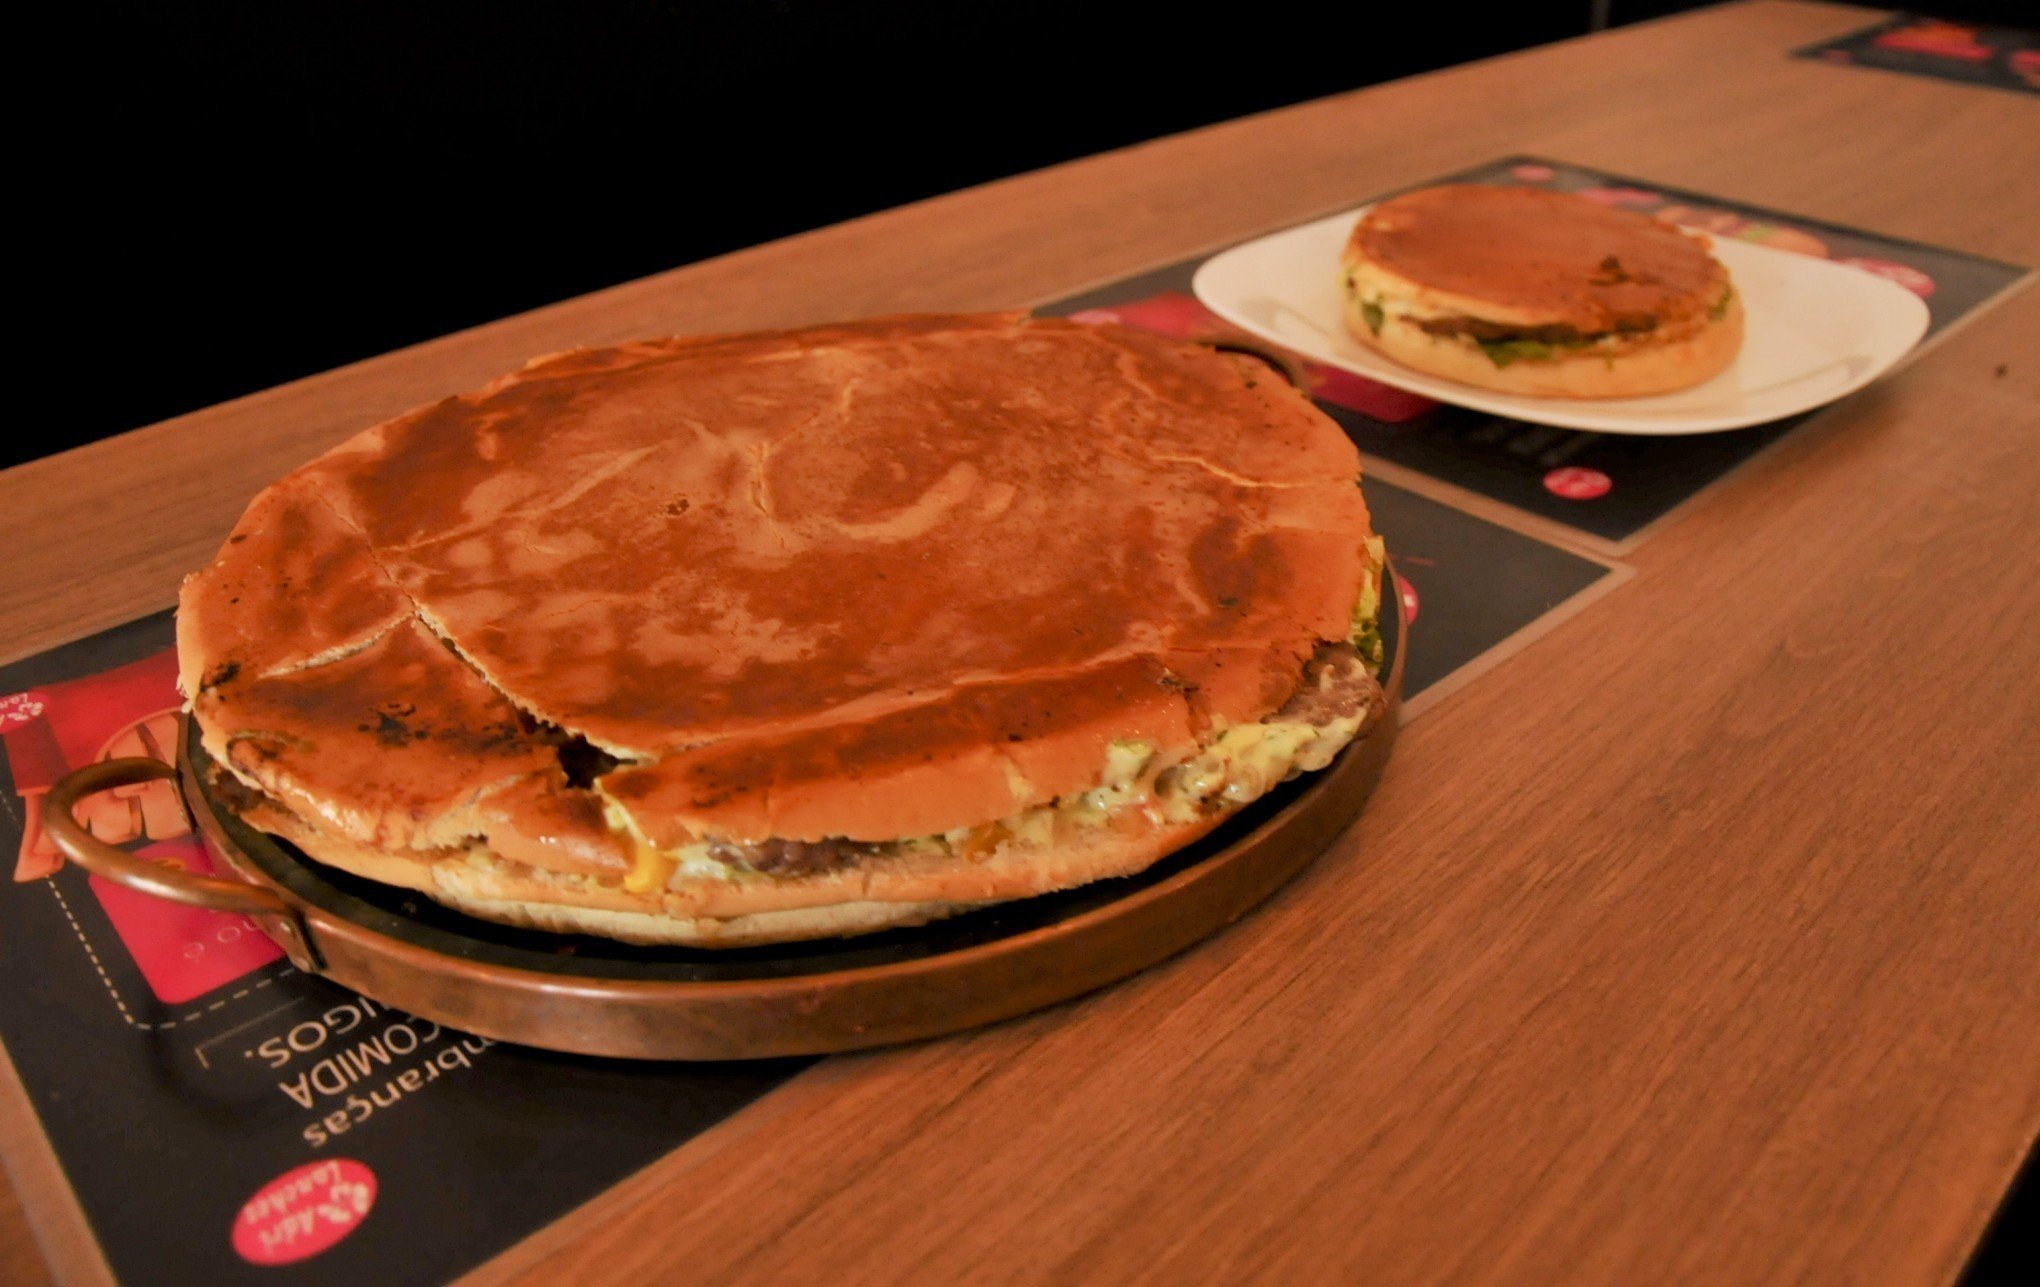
(1181, 317)
(183, 952)
(18, 710)
(1904, 274)
(303, 1212)
(1577, 483)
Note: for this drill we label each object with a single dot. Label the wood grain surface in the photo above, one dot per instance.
(1693, 942)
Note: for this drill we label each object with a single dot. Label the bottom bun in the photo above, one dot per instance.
(657, 929)
(489, 887)
(1637, 371)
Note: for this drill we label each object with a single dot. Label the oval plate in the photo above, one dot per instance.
(1814, 331)
(598, 997)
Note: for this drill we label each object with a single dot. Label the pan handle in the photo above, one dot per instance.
(60, 823)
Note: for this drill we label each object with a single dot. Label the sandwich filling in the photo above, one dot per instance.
(1504, 344)
(1340, 694)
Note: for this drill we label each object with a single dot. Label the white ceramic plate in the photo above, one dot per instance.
(1814, 331)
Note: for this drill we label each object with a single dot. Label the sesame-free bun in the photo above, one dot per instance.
(851, 584)
(1627, 305)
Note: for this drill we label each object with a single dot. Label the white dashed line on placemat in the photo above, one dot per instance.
(120, 1004)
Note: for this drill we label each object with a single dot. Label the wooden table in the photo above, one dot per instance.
(1695, 942)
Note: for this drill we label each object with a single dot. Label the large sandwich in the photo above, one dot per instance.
(1541, 293)
(762, 637)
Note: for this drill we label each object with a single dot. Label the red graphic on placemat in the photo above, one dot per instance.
(303, 1212)
(36, 761)
(1383, 402)
(1904, 274)
(1932, 36)
(128, 711)
(2025, 64)
(1181, 317)
(182, 952)
(143, 810)
(1575, 482)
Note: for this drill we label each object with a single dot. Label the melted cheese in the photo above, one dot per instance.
(653, 868)
(1246, 762)
(649, 868)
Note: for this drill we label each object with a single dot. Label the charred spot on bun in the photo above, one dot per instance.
(1541, 293)
(749, 638)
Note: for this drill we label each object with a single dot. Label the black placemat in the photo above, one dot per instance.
(1966, 52)
(213, 1109)
(1607, 487)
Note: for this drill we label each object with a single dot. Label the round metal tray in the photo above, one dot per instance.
(595, 996)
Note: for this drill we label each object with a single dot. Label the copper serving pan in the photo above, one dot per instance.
(597, 997)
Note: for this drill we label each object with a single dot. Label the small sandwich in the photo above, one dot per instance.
(750, 638)
(1539, 293)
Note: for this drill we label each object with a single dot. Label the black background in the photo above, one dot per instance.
(260, 191)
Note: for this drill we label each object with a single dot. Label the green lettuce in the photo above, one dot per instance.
(1366, 634)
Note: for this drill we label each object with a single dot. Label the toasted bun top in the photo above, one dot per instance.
(867, 580)
(1527, 256)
